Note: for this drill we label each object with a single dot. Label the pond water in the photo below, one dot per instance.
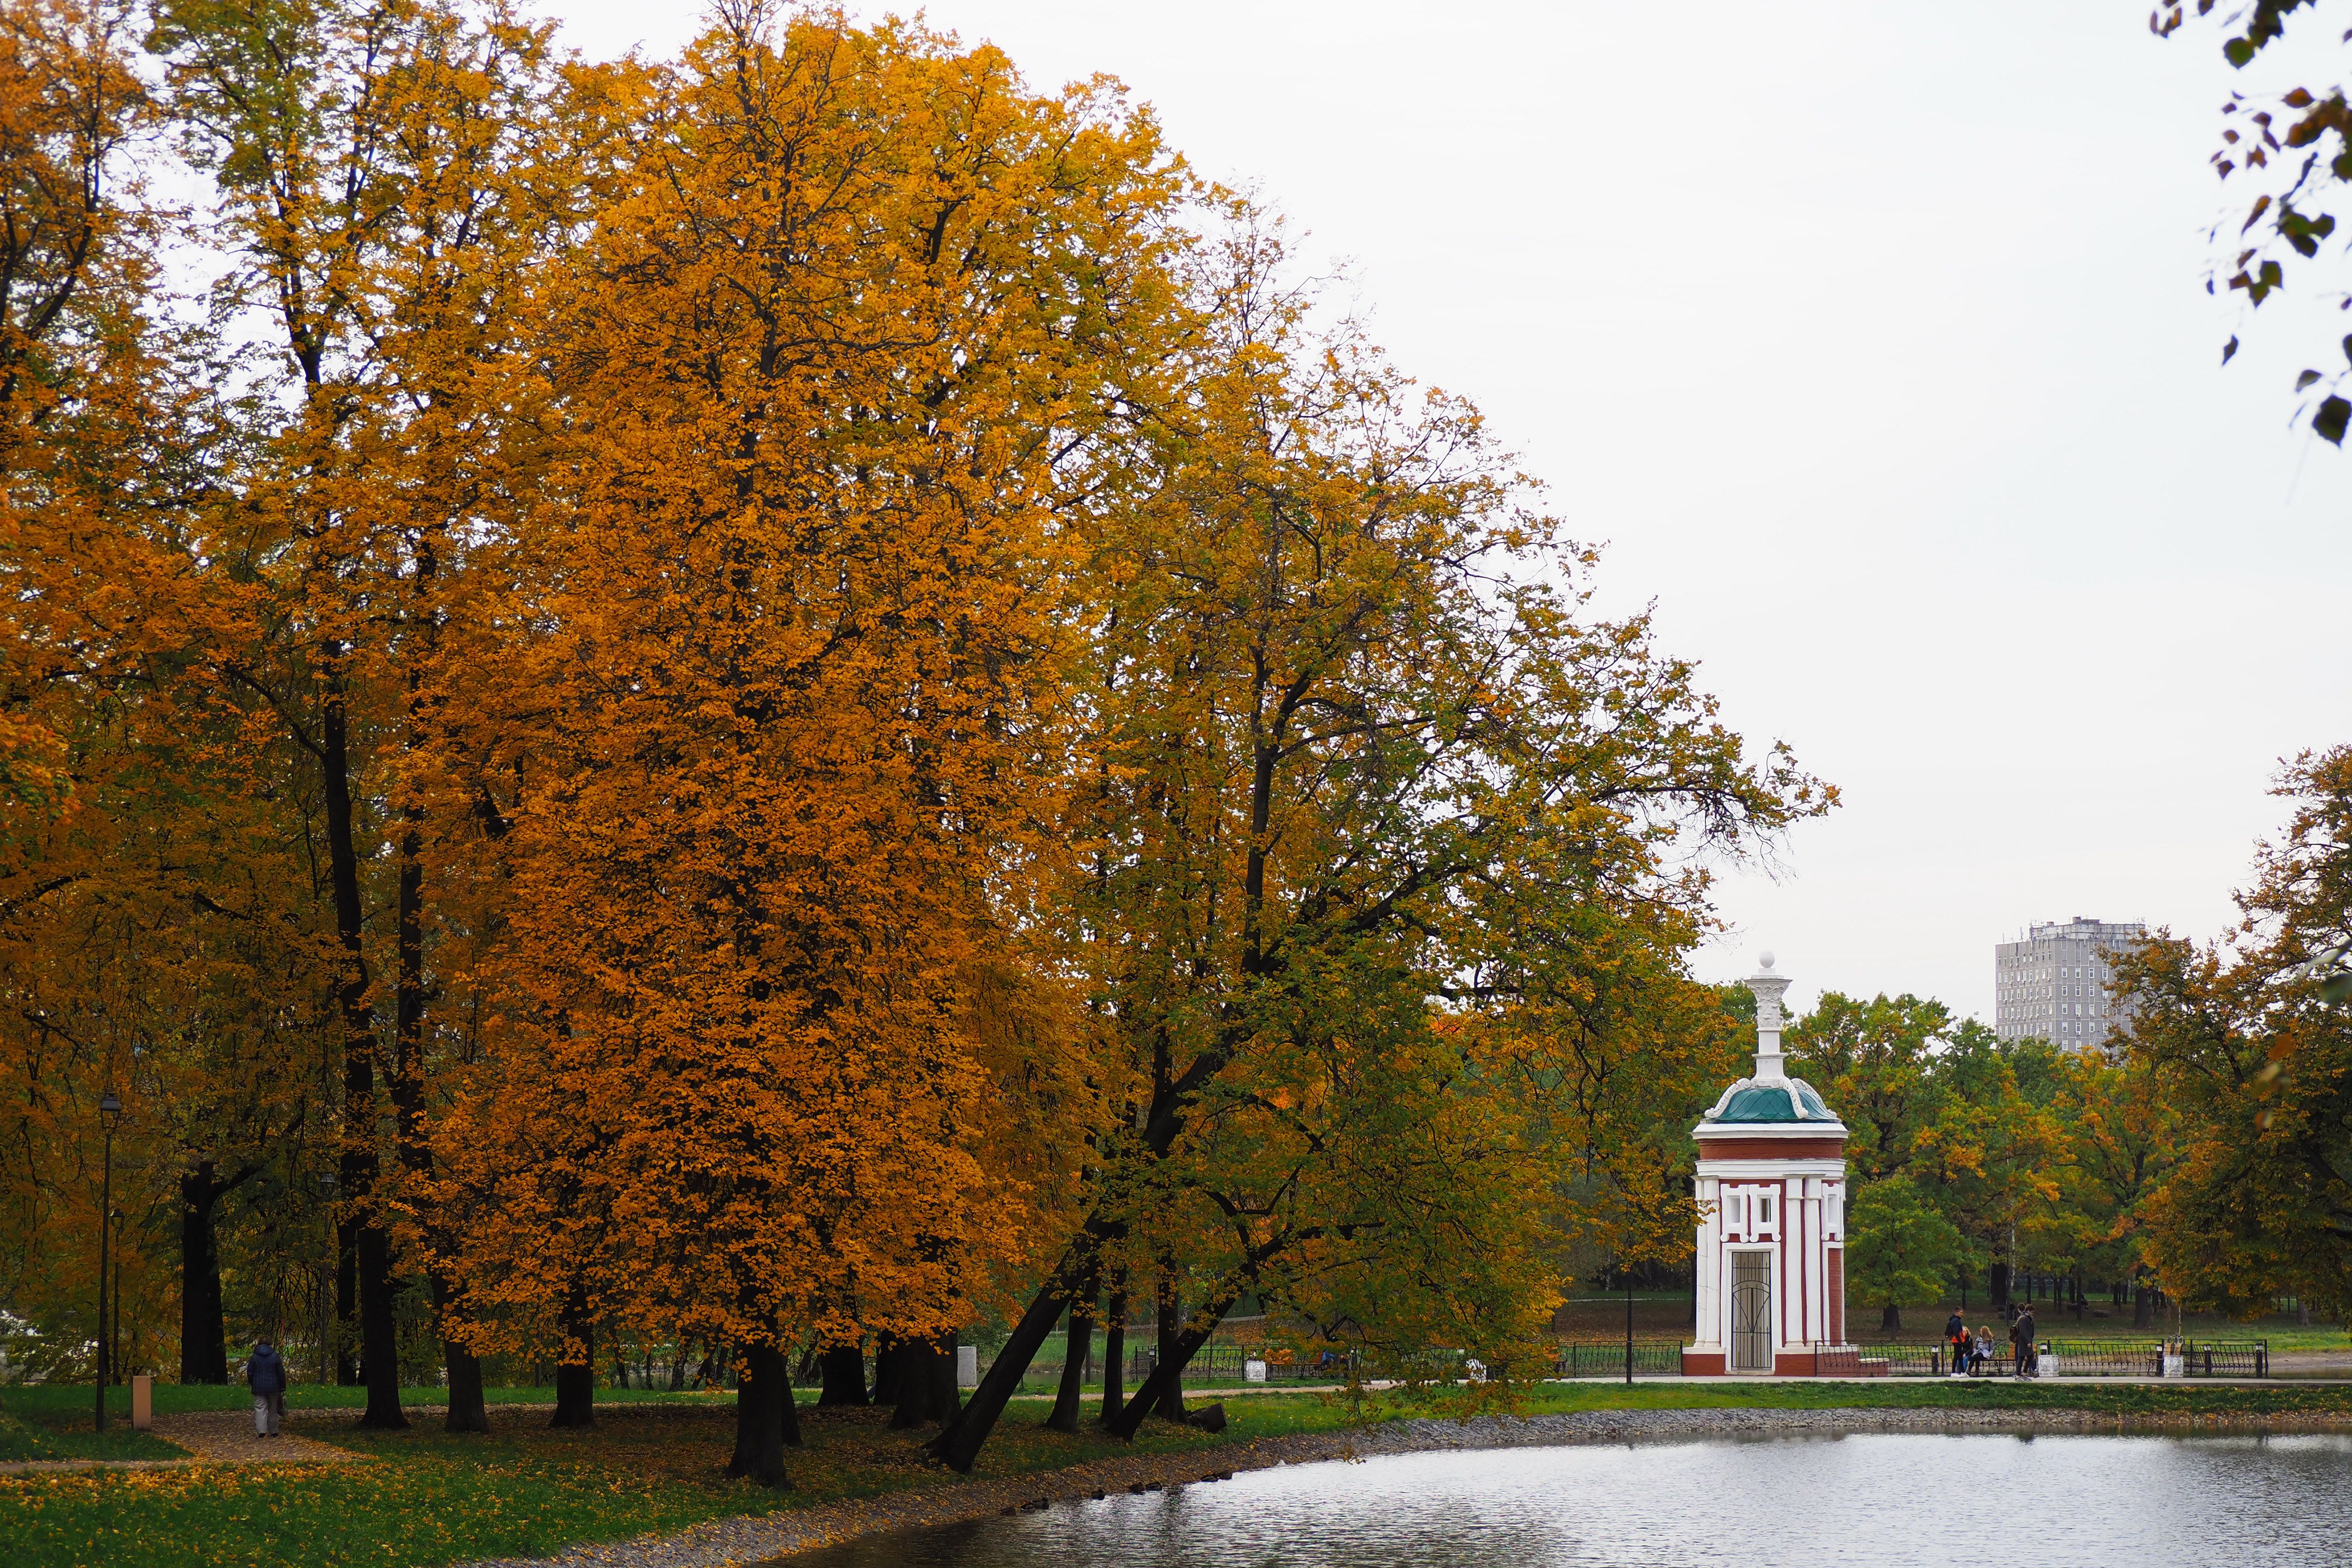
(1880, 1499)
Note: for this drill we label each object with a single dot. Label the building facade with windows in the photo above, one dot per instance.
(1772, 1244)
(2057, 982)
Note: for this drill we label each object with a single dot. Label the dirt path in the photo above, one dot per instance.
(211, 1438)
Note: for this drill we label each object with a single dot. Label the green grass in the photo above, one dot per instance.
(427, 1498)
(60, 1424)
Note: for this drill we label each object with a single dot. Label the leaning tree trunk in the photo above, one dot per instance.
(1168, 1377)
(575, 1368)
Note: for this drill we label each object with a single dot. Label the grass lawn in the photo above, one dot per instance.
(653, 1464)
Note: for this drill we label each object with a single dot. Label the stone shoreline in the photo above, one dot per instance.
(762, 1538)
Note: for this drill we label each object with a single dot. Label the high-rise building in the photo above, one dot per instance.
(2056, 983)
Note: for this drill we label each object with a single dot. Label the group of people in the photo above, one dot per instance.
(1973, 1349)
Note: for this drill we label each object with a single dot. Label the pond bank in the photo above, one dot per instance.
(757, 1539)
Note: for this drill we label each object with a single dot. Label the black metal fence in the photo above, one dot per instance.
(2090, 1358)
(1215, 1363)
(1606, 1358)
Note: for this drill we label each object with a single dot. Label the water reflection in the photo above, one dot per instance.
(1866, 1500)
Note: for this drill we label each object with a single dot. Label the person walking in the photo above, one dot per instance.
(265, 1373)
(2020, 1336)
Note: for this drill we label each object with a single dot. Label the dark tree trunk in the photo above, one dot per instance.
(2301, 1312)
(678, 1366)
(575, 1366)
(843, 1368)
(203, 1335)
(2000, 1282)
(347, 1296)
(885, 1367)
(1169, 1312)
(1072, 1394)
(706, 1375)
(467, 1412)
(913, 1383)
(1168, 1377)
(1890, 1317)
(762, 1403)
(2143, 1307)
(379, 1346)
(947, 1399)
(1114, 1396)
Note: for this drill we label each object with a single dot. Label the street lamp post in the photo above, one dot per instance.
(1628, 1328)
(108, 1110)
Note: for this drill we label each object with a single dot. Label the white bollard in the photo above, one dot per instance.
(1254, 1371)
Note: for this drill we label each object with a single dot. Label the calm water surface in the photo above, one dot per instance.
(2144, 1502)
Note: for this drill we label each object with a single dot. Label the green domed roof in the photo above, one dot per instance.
(1789, 1100)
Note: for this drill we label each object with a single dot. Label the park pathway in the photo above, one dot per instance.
(211, 1438)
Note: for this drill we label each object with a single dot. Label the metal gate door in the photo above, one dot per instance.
(1751, 1311)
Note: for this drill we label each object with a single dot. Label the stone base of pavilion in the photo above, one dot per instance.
(1790, 1361)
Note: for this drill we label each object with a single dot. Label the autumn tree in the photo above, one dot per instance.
(2255, 1055)
(779, 728)
(387, 174)
(1357, 747)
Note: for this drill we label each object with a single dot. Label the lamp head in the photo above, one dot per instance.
(110, 1105)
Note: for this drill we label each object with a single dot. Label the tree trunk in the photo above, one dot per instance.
(347, 1303)
(467, 1412)
(1072, 1394)
(204, 1336)
(1168, 1377)
(762, 1401)
(1114, 1394)
(885, 1367)
(1890, 1319)
(843, 1368)
(575, 1365)
(2000, 1282)
(913, 1383)
(2143, 1307)
(379, 1345)
(947, 1399)
(2302, 1311)
(677, 1365)
(1168, 1309)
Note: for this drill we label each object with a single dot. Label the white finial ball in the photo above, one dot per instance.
(1764, 958)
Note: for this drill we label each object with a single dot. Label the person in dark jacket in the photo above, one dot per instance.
(265, 1373)
(2020, 1336)
(1956, 1339)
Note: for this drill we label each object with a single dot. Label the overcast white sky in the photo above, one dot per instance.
(1871, 340)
